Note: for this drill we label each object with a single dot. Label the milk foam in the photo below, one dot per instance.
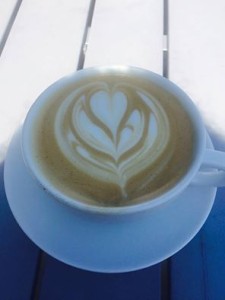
(112, 132)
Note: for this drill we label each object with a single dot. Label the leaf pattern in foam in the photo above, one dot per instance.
(111, 131)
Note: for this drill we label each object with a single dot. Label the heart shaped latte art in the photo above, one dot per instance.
(111, 132)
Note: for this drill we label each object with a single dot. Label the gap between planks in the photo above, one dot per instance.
(165, 265)
(9, 25)
(84, 44)
(166, 38)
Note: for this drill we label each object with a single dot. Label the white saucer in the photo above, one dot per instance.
(60, 232)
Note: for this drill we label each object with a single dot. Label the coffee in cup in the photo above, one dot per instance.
(111, 137)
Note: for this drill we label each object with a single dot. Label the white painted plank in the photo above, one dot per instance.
(197, 56)
(126, 32)
(6, 10)
(44, 44)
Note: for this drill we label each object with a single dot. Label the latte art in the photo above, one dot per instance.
(111, 139)
(111, 132)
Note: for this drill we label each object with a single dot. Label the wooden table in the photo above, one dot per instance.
(43, 40)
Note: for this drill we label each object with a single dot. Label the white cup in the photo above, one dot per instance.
(213, 160)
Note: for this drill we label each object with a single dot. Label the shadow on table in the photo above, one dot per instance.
(1, 177)
(218, 139)
(18, 255)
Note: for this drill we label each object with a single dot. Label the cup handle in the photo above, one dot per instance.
(215, 176)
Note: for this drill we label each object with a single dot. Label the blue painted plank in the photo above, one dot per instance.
(213, 243)
(187, 272)
(61, 281)
(198, 271)
(18, 255)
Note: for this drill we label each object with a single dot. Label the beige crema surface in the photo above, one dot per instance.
(113, 140)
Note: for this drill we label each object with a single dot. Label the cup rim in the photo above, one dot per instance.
(161, 81)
